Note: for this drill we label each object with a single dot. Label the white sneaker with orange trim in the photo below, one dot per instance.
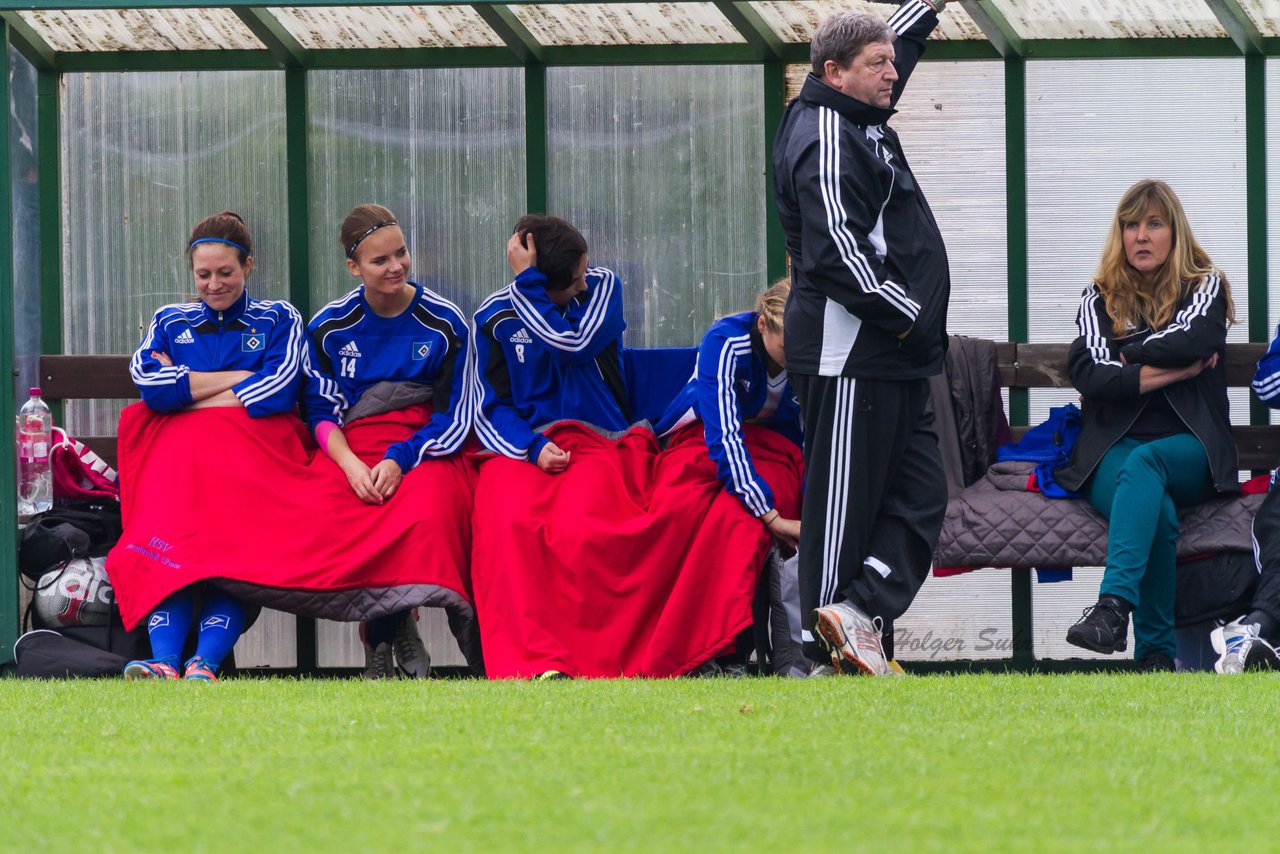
(852, 638)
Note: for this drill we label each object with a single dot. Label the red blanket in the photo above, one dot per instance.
(215, 494)
(632, 562)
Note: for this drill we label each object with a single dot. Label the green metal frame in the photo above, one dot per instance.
(761, 46)
(8, 461)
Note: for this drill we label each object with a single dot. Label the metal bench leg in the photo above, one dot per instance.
(1024, 655)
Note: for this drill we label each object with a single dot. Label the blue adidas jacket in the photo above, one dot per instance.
(262, 336)
(350, 348)
(730, 385)
(536, 362)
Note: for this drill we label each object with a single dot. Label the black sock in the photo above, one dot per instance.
(383, 629)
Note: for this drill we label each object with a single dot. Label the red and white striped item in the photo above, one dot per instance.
(78, 473)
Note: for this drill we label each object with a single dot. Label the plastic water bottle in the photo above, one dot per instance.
(35, 438)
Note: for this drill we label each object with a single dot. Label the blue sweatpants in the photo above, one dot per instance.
(1138, 487)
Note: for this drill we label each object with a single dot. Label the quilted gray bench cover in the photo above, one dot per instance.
(996, 522)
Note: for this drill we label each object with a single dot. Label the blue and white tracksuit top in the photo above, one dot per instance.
(730, 385)
(536, 362)
(350, 348)
(1266, 381)
(261, 336)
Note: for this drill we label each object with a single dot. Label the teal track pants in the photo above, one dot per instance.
(1139, 487)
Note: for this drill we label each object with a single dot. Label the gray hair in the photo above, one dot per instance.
(842, 36)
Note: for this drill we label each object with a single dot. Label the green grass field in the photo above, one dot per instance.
(1159, 762)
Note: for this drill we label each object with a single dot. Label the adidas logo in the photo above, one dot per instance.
(185, 338)
(350, 349)
(521, 337)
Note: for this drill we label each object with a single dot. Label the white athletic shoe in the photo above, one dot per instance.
(853, 639)
(412, 658)
(1240, 648)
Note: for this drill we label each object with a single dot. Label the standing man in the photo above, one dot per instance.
(865, 327)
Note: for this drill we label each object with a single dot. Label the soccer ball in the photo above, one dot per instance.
(77, 593)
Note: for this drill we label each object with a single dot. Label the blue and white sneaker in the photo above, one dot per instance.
(150, 669)
(197, 668)
(1240, 648)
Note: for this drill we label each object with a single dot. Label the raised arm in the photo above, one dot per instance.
(589, 325)
(913, 22)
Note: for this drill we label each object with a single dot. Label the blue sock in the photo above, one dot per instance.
(221, 622)
(168, 627)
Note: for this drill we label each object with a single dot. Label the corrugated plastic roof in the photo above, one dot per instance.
(1265, 15)
(452, 25)
(1112, 19)
(142, 29)
(796, 21)
(386, 26)
(627, 23)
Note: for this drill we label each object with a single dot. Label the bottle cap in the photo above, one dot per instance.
(35, 391)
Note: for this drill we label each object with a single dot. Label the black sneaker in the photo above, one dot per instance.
(1156, 662)
(1102, 628)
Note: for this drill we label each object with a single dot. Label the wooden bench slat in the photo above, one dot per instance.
(86, 378)
(1045, 365)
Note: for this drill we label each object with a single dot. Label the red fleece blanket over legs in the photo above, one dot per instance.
(215, 494)
(634, 561)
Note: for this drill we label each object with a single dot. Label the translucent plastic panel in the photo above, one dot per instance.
(951, 123)
(1091, 133)
(627, 23)
(23, 142)
(135, 29)
(387, 26)
(663, 170)
(1273, 204)
(146, 156)
(1273, 194)
(1111, 19)
(964, 616)
(443, 149)
(1265, 15)
(796, 22)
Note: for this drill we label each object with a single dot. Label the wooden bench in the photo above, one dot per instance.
(1024, 367)
(68, 378)
(65, 378)
(1043, 366)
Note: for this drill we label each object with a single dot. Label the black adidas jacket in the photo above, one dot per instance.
(868, 261)
(1109, 385)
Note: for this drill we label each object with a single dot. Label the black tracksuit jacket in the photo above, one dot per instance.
(1112, 402)
(868, 261)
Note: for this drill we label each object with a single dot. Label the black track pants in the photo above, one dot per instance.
(1266, 551)
(874, 497)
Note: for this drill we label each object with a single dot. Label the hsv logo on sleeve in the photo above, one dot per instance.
(421, 349)
(253, 342)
